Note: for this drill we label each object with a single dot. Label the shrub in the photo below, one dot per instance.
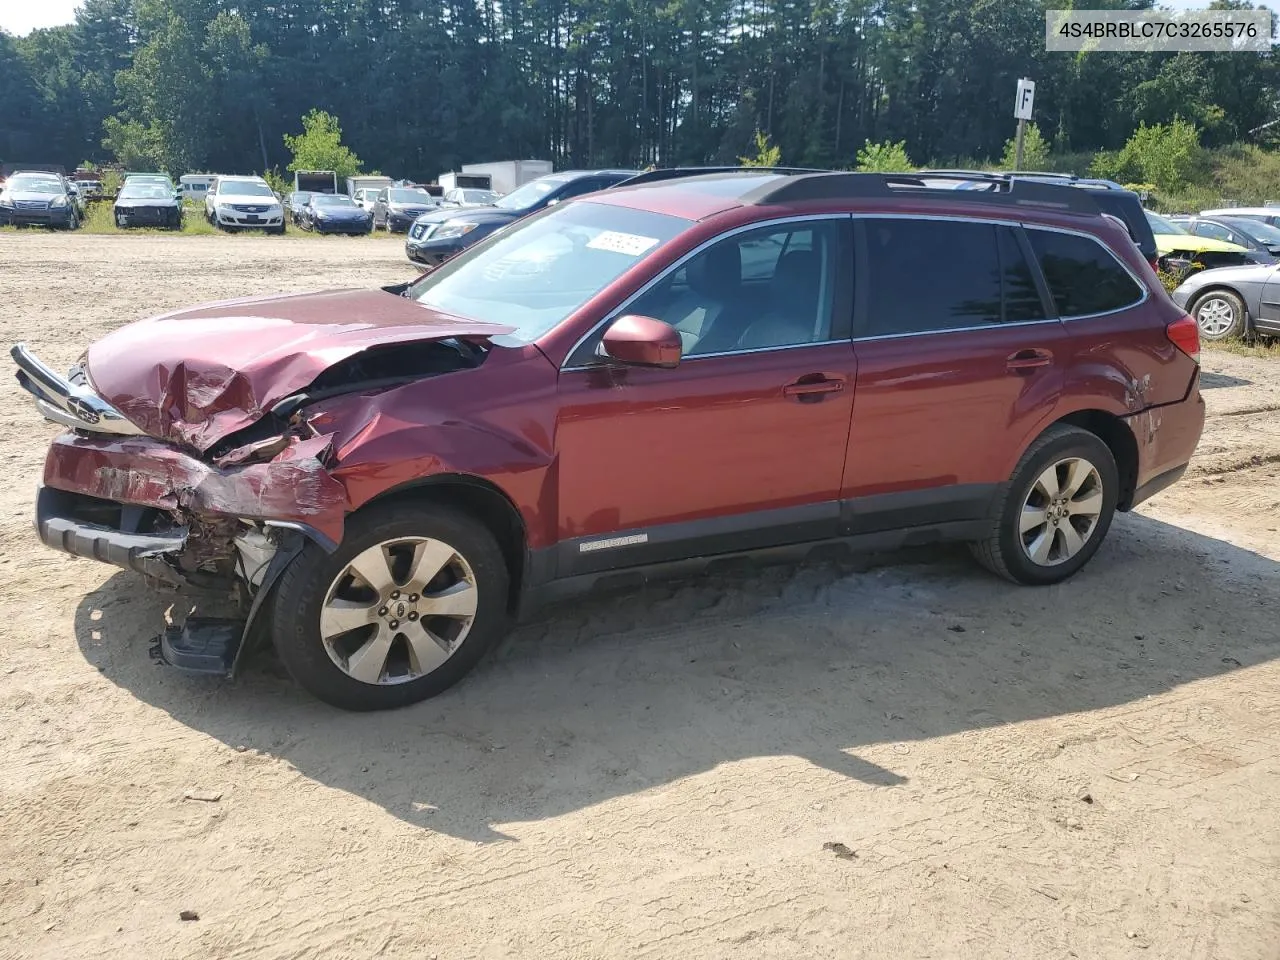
(767, 154)
(319, 146)
(884, 157)
(1035, 151)
(1167, 155)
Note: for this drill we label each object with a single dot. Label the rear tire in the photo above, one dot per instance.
(412, 657)
(1055, 511)
(1220, 315)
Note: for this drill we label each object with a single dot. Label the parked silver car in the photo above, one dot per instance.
(1231, 301)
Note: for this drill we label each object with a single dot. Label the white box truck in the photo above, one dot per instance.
(366, 183)
(506, 175)
(315, 181)
(467, 181)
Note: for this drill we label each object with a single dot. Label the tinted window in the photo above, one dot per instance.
(1083, 276)
(930, 275)
(772, 287)
(1022, 301)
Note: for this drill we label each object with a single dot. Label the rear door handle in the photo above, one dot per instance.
(812, 387)
(1024, 361)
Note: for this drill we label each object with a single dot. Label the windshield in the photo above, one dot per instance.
(525, 197)
(535, 273)
(408, 196)
(331, 200)
(245, 188)
(478, 196)
(1262, 232)
(302, 196)
(34, 184)
(144, 191)
(1160, 225)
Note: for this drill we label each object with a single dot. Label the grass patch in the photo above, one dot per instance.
(1266, 348)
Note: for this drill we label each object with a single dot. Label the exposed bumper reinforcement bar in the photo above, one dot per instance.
(141, 552)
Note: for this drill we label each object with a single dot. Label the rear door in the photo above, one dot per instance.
(958, 359)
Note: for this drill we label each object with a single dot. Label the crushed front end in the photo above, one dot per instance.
(225, 520)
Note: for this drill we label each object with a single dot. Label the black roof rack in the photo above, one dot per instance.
(1009, 191)
(679, 173)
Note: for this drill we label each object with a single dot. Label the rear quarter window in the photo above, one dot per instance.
(1083, 276)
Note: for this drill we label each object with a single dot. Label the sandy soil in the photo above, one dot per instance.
(1089, 770)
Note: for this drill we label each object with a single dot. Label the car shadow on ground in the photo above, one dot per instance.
(1216, 381)
(615, 694)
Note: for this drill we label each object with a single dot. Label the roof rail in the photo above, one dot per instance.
(1009, 191)
(679, 173)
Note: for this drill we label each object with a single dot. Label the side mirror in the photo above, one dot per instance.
(641, 342)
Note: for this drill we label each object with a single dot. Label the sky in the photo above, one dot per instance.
(20, 17)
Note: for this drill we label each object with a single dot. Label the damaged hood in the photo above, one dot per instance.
(198, 375)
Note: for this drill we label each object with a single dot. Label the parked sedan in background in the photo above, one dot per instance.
(1269, 215)
(1262, 239)
(1233, 301)
(435, 237)
(397, 207)
(36, 198)
(334, 213)
(467, 197)
(144, 203)
(294, 203)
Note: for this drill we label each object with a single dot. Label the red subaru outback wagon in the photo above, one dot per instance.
(672, 371)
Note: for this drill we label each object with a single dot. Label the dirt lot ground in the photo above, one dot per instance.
(1088, 770)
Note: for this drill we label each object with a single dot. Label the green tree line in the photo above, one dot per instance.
(421, 86)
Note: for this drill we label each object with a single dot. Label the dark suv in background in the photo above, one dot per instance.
(651, 375)
(435, 237)
(1110, 197)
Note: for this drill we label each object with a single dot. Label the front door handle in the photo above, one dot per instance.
(812, 387)
(1025, 361)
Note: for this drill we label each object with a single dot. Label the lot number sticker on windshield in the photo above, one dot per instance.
(629, 243)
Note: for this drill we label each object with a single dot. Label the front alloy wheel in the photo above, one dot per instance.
(402, 610)
(399, 610)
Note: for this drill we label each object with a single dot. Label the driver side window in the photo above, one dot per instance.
(767, 288)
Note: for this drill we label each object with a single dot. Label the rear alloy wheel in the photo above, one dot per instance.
(405, 607)
(1056, 510)
(1220, 315)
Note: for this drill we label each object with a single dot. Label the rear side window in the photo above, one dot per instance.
(935, 275)
(1084, 277)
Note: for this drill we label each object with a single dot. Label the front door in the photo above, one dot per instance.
(958, 360)
(740, 446)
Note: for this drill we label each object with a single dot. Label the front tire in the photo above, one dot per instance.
(1055, 511)
(1220, 315)
(407, 605)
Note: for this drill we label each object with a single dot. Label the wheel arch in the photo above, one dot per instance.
(1117, 435)
(484, 501)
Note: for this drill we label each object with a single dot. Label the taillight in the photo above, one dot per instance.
(1185, 335)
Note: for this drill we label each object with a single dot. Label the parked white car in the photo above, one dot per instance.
(367, 198)
(244, 203)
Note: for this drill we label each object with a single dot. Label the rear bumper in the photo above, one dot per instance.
(1167, 437)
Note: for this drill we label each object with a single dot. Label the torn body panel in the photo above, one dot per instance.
(295, 487)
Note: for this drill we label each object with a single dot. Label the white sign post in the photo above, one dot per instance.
(1022, 106)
